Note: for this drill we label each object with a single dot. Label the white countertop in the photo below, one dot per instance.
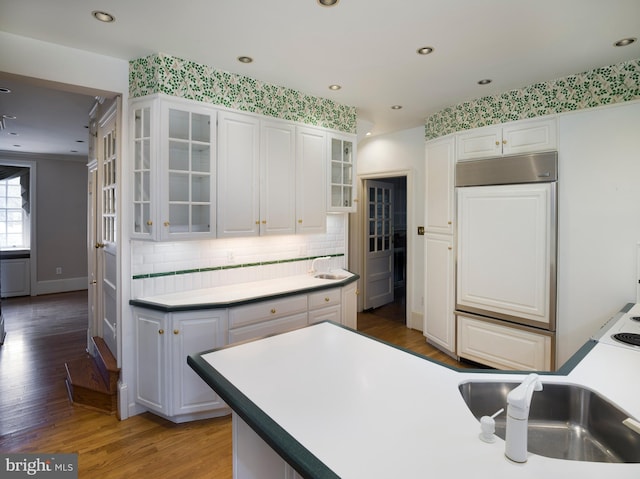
(368, 410)
(237, 293)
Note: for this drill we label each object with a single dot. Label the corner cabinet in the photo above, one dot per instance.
(165, 383)
(342, 171)
(173, 169)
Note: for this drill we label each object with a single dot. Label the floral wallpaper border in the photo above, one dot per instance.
(602, 86)
(161, 73)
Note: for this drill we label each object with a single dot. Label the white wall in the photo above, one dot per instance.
(395, 154)
(599, 219)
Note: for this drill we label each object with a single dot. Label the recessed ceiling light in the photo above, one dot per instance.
(486, 81)
(424, 50)
(396, 107)
(79, 141)
(18, 146)
(103, 16)
(13, 133)
(4, 90)
(244, 59)
(9, 117)
(624, 42)
(334, 87)
(73, 151)
(328, 3)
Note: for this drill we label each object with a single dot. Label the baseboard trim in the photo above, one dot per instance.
(60, 286)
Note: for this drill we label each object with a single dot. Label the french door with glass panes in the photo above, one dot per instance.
(378, 267)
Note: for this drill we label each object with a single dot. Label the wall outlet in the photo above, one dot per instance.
(59, 270)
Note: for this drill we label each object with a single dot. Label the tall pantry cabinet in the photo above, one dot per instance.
(439, 319)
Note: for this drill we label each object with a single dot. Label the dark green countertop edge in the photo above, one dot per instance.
(228, 304)
(296, 455)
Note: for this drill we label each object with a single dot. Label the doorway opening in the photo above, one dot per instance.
(385, 247)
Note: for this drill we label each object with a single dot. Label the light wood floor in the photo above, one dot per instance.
(36, 416)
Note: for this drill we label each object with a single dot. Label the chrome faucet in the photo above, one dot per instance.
(518, 402)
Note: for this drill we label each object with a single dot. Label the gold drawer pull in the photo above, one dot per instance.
(273, 311)
(161, 331)
(327, 299)
(176, 331)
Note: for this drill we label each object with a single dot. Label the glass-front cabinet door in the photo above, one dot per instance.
(143, 216)
(190, 187)
(173, 169)
(343, 174)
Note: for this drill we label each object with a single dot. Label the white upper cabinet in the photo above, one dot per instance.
(342, 170)
(440, 181)
(277, 178)
(174, 169)
(311, 174)
(238, 175)
(509, 139)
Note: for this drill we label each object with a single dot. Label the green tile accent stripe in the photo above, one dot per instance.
(602, 86)
(161, 73)
(231, 266)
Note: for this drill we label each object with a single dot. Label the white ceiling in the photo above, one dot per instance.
(366, 46)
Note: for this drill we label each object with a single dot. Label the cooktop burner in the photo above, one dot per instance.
(628, 338)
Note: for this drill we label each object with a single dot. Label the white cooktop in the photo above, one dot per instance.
(625, 324)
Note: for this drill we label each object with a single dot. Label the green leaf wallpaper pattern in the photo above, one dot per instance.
(160, 73)
(602, 86)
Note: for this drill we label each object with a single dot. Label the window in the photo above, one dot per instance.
(14, 221)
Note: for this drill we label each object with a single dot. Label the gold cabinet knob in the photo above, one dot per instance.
(149, 223)
(99, 245)
(504, 142)
(166, 223)
(300, 221)
(273, 311)
(327, 300)
(176, 331)
(449, 248)
(497, 143)
(448, 222)
(264, 222)
(161, 331)
(357, 292)
(257, 222)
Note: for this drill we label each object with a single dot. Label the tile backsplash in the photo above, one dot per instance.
(172, 267)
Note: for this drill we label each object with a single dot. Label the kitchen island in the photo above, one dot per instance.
(332, 402)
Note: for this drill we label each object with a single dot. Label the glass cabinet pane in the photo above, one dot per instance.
(178, 218)
(178, 187)
(178, 124)
(200, 189)
(178, 156)
(200, 218)
(201, 158)
(200, 128)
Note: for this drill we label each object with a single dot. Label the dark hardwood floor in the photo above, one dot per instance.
(36, 416)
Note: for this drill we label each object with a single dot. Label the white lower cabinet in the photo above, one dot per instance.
(503, 346)
(439, 320)
(350, 305)
(325, 305)
(165, 383)
(264, 318)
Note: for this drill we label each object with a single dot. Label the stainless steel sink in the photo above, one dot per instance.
(329, 276)
(565, 421)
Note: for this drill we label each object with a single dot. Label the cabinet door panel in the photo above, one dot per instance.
(439, 321)
(151, 367)
(311, 194)
(503, 347)
(267, 328)
(277, 178)
(238, 175)
(440, 172)
(480, 143)
(192, 335)
(529, 136)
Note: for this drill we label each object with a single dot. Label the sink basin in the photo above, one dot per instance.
(329, 276)
(565, 421)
